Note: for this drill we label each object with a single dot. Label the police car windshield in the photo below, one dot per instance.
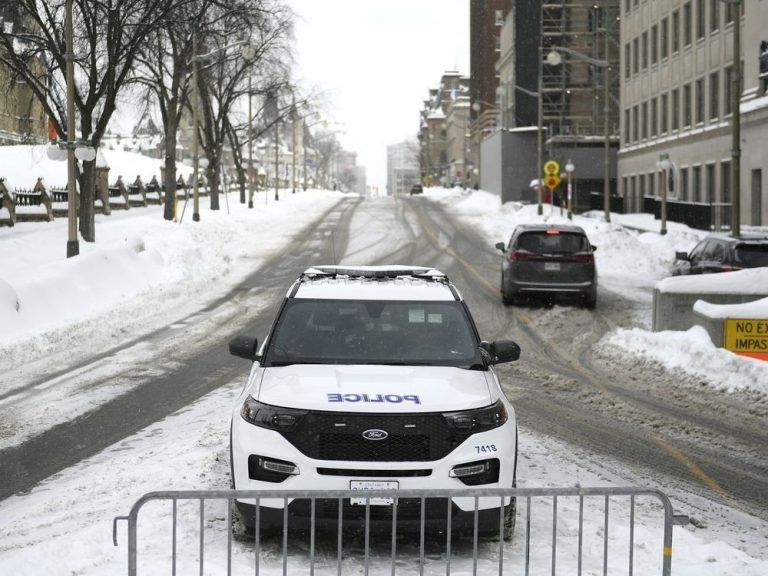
(373, 332)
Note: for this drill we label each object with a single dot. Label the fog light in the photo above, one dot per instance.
(469, 470)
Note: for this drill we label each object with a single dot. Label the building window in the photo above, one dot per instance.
(651, 185)
(644, 120)
(714, 16)
(641, 184)
(654, 44)
(665, 38)
(728, 91)
(687, 24)
(635, 55)
(684, 187)
(627, 60)
(654, 116)
(664, 114)
(714, 95)
(687, 106)
(675, 31)
(675, 109)
(697, 192)
(725, 181)
(644, 49)
(627, 127)
(729, 12)
(499, 17)
(701, 20)
(711, 182)
(635, 123)
(700, 100)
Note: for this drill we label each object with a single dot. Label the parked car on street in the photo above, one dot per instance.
(722, 253)
(374, 378)
(416, 189)
(549, 261)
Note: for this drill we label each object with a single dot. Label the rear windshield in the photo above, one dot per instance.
(544, 243)
(752, 255)
(373, 332)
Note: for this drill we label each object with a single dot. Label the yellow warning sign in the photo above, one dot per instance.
(552, 167)
(552, 181)
(746, 336)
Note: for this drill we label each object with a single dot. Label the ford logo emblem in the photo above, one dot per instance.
(375, 434)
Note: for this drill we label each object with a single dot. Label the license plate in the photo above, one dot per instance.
(552, 266)
(372, 485)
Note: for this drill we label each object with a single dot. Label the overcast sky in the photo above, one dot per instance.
(376, 61)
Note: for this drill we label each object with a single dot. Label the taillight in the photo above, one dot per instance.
(521, 255)
(583, 257)
(729, 269)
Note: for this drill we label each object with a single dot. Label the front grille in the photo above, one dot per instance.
(411, 437)
(356, 473)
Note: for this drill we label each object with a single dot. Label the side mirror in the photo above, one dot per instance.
(682, 256)
(501, 351)
(594, 247)
(500, 246)
(244, 347)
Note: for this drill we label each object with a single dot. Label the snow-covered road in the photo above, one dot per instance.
(64, 525)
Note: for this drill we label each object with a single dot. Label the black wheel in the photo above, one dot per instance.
(590, 300)
(506, 298)
(510, 516)
(242, 530)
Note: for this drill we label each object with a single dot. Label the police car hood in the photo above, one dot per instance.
(367, 388)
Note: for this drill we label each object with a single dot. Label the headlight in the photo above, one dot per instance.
(272, 417)
(479, 420)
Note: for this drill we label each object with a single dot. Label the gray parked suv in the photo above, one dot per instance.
(548, 261)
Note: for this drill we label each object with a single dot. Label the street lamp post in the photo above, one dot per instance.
(554, 59)
(736, 120)
(540, 135)
(248, 53)
(293, 148)
(277, 157)
(195, 135)
(664, 164)
(569, 168)
(73, 245)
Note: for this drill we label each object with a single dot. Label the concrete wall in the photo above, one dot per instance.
(508, 164)
(674, 311)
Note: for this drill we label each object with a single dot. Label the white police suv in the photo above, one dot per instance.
(373, 378)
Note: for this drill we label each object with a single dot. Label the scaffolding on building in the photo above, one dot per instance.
(573, 91)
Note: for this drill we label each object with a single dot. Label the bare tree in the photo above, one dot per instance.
(327, 148)
(107, 37)
(266, 26)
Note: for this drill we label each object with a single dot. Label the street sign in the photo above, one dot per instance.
(551, 168)
(746, 336)
(551, 181)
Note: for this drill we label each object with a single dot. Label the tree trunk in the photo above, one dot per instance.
(213, 174)
(87, 199)
(170, 166)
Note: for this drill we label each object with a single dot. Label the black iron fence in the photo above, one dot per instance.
(715, 216)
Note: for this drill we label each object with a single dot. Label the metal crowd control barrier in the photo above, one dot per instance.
(523, 541)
